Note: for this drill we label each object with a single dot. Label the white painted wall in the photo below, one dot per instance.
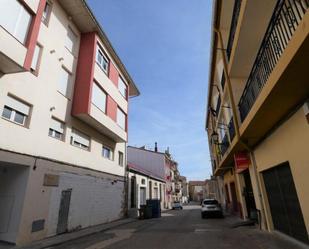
(13, 182)
(146, 185)
(93, 201)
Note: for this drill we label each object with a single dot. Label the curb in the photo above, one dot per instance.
(56, 241)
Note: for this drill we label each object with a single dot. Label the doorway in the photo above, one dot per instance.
(283, 201)
(234, 197)
(249, 196)
(64, 209)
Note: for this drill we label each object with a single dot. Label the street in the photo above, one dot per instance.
(181, 229)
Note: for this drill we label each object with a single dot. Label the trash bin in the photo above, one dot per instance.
(155, 205)
(148, 212)
(142, 211)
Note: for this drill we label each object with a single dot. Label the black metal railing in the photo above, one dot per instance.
(284, 21)
(234, 22)
(223, 81)
(218, 105)
(231, 129)
(224, 145)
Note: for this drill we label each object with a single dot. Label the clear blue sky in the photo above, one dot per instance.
(165, 46)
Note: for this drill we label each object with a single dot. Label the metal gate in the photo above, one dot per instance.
(64, 211)
(283, 201)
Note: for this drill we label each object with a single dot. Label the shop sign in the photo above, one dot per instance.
(242, 161)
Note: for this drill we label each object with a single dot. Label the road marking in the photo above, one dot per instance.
(166, 214)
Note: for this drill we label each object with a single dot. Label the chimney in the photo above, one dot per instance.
(156, 147)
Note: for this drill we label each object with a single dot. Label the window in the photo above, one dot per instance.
(120, 158)
(46, 13)
(15, 111)
(99, 97)
(122, 87)
(102, 59)
(15, 19)
(143, 181)
(71, 40)
(56, 129)
(121, 118)
(107, 152)
(36, 59)
(64, 82)
(80, 140)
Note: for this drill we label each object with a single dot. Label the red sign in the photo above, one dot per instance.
(242, 161)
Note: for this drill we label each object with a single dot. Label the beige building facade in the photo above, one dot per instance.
(64, 116)
(257, 118)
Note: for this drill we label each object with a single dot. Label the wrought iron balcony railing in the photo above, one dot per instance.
(234, 22)
(224, 145)
(284, 21)
(231, 128)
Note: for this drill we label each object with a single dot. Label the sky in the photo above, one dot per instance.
(165, 46)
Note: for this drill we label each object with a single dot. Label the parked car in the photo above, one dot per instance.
(176, 205)
(211, 207)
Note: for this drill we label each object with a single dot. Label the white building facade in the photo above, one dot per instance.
(63, 126)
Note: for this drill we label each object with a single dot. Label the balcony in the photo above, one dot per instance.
(231, 129)
(234, 22)
(104, 121)
(12, 53)
(284, 21)
(224, 145)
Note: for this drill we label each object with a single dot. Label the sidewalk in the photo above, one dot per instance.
(60, 239)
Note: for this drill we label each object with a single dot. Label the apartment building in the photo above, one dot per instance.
(64, 120)
(184, 189)
(257, 111)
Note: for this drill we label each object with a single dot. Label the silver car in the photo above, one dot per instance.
(211, 207)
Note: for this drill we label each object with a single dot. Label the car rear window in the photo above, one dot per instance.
(211, 202)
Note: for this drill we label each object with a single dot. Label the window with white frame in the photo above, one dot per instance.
(15, 18)
(15, 111)
(71, 40)
(64, 82)
(107, 152)
(98, 97)
(122, 87)
(102, 59)
(36, 58)
(120, 158)
(46, 13)
(56, 129)
(121, 118)
(80, 140)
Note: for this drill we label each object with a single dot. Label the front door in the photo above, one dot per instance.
(249, 197)
(234, 197)
(64, 211)
(283, 202)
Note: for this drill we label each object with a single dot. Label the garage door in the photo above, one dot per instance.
(283, 201)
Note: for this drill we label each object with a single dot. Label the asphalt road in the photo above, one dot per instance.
(178, 229)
